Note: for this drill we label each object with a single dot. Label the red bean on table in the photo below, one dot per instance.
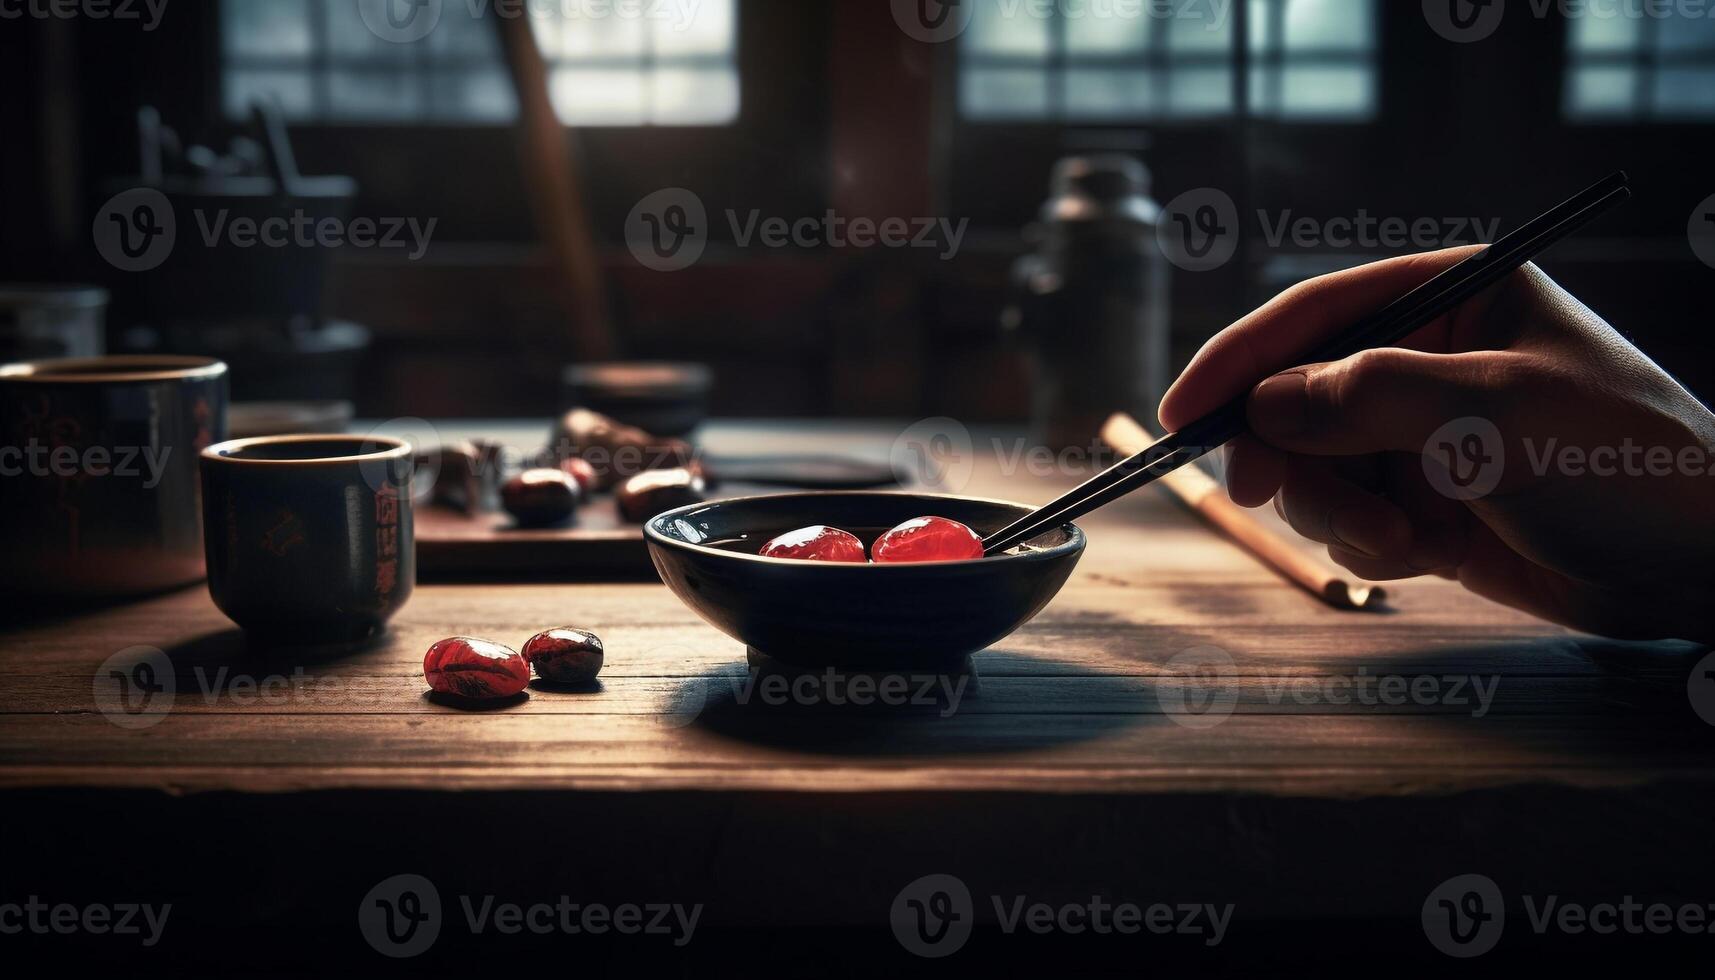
(473, 668)
(565, 655)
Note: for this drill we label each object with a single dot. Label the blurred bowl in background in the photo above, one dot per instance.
(248, 420)
(41, 321)
(663, 398)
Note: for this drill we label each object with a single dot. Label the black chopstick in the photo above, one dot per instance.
(1387, 326)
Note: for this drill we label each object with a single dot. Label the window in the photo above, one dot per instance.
(1640, 66)
(1085, 61)
(323, 64)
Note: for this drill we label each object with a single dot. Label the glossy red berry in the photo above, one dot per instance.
(580, 470)
(473, 668)
(929, 539)
(817, 543)
(565, 655)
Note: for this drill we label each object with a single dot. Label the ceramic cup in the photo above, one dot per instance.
(309, 536)
(98, 473)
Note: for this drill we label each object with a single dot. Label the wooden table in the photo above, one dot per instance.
(1107, 749)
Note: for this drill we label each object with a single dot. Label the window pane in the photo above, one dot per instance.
(1685, 34)
(1261, 26)
(695, 96)
(586, 37)
(459, 35)
(1322, 91)
(273, 29)
(1685, 92)
(473, 95)
(707, 30)
(1199, 91)
(599, 96)
(1093, 93)
(373, 94)
(1090, 33)
(291, 88)
(1006, 27)
(1206, 28)
(1004, 93)
(1614, 34)
(1328, 24)
(1597, 91)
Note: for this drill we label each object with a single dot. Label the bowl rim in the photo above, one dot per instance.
(390, 448)
(1074, 543)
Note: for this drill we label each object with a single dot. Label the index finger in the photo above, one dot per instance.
(1281, 332)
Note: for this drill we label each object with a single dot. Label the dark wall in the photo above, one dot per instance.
(841, 110)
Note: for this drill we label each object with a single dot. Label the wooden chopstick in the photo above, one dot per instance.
(1199, 492)
(1388, 326)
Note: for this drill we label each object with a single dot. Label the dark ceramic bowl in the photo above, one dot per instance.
(848, 615)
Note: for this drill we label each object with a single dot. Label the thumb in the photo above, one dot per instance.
(1374, 401)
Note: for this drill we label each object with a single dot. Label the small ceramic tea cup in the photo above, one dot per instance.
(309, 537)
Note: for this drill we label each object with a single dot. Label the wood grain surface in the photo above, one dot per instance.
(1170, 662)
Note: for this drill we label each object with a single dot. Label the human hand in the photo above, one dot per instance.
(1517, 444)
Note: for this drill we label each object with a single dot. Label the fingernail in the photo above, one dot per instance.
(1352, 538)
(1278, 405)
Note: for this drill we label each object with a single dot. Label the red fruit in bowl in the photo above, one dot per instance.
(816, 543)
(929, 539)
(473, 668)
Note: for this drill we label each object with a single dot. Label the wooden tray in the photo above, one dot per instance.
(452, 544)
